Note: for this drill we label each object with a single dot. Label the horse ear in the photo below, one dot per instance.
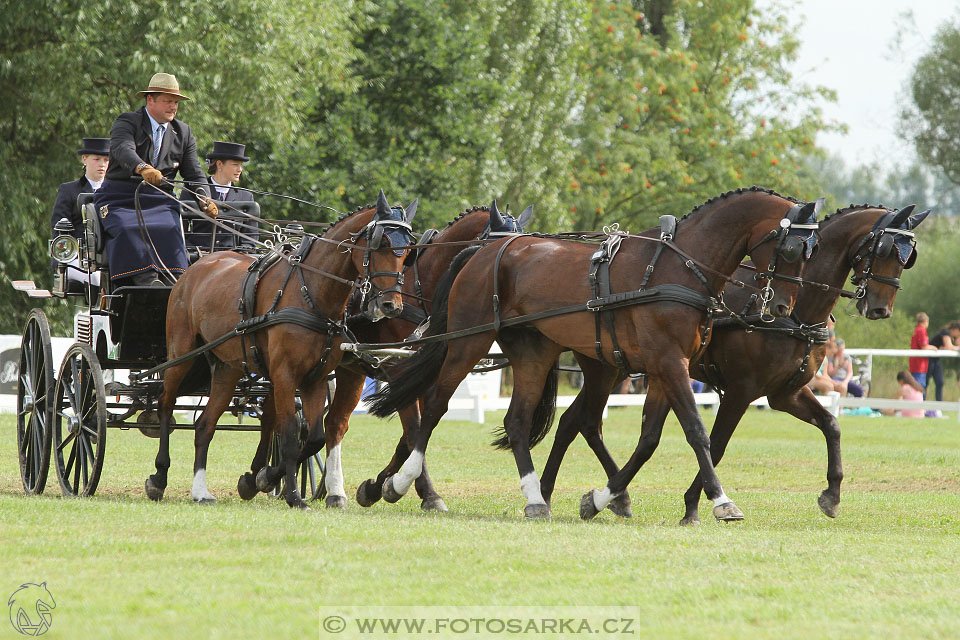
(808, 212)
(411, 210)
(383, 207)
(901, 216)
(525, 216)
(916, 219)
(496, 220)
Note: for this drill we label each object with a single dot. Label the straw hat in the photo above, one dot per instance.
(163, 83)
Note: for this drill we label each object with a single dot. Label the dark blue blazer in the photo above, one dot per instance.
(66, 205)
(131, 142)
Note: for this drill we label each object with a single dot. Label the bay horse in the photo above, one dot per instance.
(544, 280)
(738, 362)
(298, 352)
(422, 269)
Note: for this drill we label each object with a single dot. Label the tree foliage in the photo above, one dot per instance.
(932, 122)
(596, 112)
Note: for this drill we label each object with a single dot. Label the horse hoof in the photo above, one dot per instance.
(298, 503)
(621, 506)
(536, 512)
(435, 503)
(206, 500)
(154, 492)
(727, 512)
(368, 493)
(389, 494)
(336, 502)
(828, 505)
(247, 486)
(588, 510)
(263, 484)
(690, 521)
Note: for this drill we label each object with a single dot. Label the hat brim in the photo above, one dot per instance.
(93, 152)
(220, 156)
(159, 90)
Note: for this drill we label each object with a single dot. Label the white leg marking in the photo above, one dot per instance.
(602, 498)
(721, 499)
(530, 486)
(199, 489)
(409, 472)
(334, 473)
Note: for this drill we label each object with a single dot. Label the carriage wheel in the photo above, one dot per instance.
(310, 475)
(79, 422)
(35, 403)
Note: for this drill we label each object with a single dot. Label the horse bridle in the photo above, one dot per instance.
(879, 244)
(794, 241)
(374, 233)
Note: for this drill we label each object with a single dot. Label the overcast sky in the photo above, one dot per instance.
(850, 46)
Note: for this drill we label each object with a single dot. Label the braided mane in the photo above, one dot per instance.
(736, 192)
(467, 212)
(854, 207)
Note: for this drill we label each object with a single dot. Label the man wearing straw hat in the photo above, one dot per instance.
(146, 248)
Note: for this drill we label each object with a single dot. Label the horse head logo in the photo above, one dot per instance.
(30, 609)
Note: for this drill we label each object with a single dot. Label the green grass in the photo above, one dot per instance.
(121, 566)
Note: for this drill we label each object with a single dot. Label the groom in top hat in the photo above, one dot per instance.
(153, 144)
(94, 156)
(224, 164)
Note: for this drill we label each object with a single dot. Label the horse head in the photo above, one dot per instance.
(385, 239)
(881, 257)
(786, 251)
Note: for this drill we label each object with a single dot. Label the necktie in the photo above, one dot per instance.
(157, 139)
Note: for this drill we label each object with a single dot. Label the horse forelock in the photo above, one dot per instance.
(739, 192)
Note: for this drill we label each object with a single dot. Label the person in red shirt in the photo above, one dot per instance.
(919, 340)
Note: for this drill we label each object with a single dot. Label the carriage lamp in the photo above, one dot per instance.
(64, 246)
(293, 229)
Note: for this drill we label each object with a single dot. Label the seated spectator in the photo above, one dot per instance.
(840, 370)
(911, 390)
(822, 383)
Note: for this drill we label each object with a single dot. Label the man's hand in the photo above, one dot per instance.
(209, 207)
(151, 175)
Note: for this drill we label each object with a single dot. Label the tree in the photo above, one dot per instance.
(932, 122)
(681, 101)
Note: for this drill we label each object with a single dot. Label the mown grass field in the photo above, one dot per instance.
(120, 566)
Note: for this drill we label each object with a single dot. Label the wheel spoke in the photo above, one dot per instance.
(70, 461)
(37, 453)
(87, 460)
(78, 455)
(66, 441)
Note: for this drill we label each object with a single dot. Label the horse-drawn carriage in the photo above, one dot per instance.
(65, 409)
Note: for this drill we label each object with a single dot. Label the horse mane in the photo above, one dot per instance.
(472, 209)
(853, 207)
(736, 192)
(348, 214)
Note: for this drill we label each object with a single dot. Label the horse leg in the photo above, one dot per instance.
(805, 406)
(222, 384)
(585, 415)
(655, 411)
(314, 396)
(247, 484)
(284, 395)
(461, 356)
(156, 484)
(732, 408)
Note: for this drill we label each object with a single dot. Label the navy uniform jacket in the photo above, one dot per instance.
(200, 232)
(131, 142)
(66, 205)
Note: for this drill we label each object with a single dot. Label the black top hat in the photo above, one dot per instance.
(227, 151)
(95, 146)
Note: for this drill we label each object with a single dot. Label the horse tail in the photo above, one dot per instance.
(542, 415)
(413, 378)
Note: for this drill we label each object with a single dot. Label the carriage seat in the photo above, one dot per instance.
(198, 231)
(92, 230)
